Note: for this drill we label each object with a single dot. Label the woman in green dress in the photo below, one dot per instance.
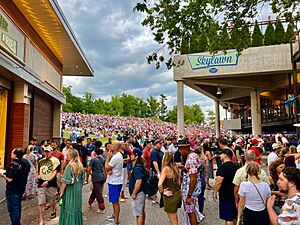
(169, 186)
(71, 191)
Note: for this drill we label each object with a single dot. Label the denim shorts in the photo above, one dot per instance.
(114, 191)
(129, 167)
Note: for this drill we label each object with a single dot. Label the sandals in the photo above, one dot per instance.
(53, 215)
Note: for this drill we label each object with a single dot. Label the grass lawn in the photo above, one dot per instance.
(102, 139)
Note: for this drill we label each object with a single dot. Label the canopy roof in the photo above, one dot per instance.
(48, 20)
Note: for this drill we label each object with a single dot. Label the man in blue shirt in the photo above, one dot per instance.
(156, 157)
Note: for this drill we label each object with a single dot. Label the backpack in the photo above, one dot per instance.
(150, 182)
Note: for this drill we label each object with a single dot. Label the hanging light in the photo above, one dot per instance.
(219, 91)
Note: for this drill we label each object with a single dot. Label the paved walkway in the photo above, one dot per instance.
(155, 215)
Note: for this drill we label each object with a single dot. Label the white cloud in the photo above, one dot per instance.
(116, 45)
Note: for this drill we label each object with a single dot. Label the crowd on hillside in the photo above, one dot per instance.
(110, 125)
(173, 172)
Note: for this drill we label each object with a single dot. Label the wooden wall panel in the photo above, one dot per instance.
(42, 118)
(18, 133)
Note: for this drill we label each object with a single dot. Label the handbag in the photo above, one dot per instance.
(242, 219)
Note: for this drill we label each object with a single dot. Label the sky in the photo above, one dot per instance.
(116, 45)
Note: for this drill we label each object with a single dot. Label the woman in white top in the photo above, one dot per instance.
(253, 195)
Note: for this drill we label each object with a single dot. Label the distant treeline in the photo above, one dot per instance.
(128, 105)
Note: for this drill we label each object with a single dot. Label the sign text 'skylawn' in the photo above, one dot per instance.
(198, 61)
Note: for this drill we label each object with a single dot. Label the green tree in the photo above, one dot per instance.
(116, 105)
(162, 107)
(279, 33)
(74, 103)
(198, 42)
(211, 118)
(171, 20)
(185, 45)
(289, 33)
(153, 107)
(269, 34)
(88, 103)
(246, 35)
(172, 115)
(257, 37)
(224, 38)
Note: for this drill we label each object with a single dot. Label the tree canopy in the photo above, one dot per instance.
(128, 105)
(174, 23)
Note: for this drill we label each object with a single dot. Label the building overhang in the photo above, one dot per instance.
(47, 18)
(266, 68)
(26, 75)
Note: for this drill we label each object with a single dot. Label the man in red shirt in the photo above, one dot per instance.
(56, 153)
(258, 158)
(146, 153)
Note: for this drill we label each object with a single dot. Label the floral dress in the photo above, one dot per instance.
(192, 166)
(31, 186)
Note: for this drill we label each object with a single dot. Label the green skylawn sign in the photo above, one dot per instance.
(200, 61)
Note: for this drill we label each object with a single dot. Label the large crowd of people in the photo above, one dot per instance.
(153, 162)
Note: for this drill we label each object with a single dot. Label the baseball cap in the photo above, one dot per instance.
(183, 143)
(227, 152)
(157, 141)
(275, 146)
(137, 152)
(239, 140)
(254, 141)
(48, 149)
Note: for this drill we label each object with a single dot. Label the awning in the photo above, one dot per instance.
(48, 20)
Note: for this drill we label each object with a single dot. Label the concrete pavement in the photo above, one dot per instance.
(155, 215)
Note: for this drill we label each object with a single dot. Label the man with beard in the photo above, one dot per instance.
(289, 183)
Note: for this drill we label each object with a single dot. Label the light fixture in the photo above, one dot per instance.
(219, 91)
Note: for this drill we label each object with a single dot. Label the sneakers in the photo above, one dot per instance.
(122, 200)
(110, 218)
(100, 211)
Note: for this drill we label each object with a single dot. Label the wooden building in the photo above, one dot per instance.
(37, 48)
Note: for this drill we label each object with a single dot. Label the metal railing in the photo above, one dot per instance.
(271, 113)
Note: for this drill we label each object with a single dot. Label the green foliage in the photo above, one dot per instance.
(185, 45)
(198, 42)
(153, 107)
(289, 33)
(211, 118)
(192, 114)
(173, 22)
(269, 35)
(257, 37)
(246, 35)
(279, 33)
(224, 38)
(162, 111)
(128, 105)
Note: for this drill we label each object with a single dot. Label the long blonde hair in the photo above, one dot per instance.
(168, 160)
(29, 149)
(74, 155)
